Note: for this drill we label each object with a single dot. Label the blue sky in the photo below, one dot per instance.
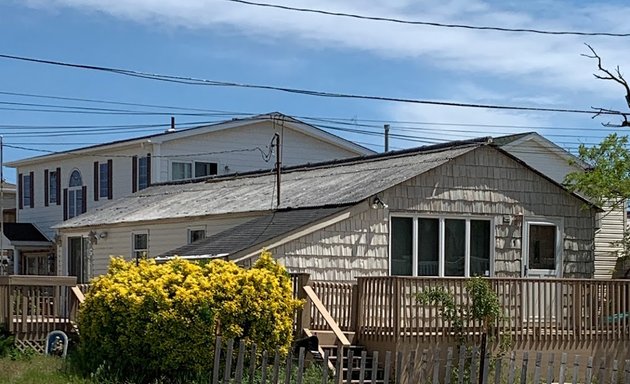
(220, 40)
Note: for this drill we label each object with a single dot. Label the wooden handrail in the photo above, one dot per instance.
(78, 294)
(329, 320)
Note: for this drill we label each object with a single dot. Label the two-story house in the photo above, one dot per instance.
(57, 187)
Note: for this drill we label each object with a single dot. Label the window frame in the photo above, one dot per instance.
(103, 180)
(558, 223)
(190, 231)
(441, 240)
(53, 187)
(76, 196)
(27, 189)
(142, 184)
(134, 250)
(190, 163)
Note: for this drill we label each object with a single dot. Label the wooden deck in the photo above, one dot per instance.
(33, 306)
(386, 312)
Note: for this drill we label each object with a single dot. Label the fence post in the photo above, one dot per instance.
(396, 310)
(355, 323)
(303, 316)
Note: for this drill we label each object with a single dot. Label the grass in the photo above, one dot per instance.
(37, 369)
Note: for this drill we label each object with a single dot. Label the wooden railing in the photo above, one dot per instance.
(533, 309)
(32, 306)
(340, 300)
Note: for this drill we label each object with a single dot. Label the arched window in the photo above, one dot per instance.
(75, 194)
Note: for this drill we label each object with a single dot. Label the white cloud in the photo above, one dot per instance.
(550, 62)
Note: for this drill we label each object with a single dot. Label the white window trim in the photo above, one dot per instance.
(133, 243)
(170, 169)
(441, 231)
(195, 228)
(558, 222)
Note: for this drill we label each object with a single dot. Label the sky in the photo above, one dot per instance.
(226, 41)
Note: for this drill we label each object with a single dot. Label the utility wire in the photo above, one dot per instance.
(206, 82)
(170, 107)
(428, 23)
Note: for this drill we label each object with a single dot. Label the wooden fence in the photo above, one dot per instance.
(247, 364)
(33, 306)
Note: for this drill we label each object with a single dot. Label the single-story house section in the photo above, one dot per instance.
(26, 241)
(456, 209)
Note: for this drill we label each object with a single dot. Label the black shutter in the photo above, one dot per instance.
(20, 192)
(84, 193)
(46, 181)
(58, 186)
(110, 183)
(32, 174)
(65, 204)
(134, 174)
(96, 176)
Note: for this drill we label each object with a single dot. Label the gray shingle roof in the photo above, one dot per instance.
(254, 232)
(334, 184)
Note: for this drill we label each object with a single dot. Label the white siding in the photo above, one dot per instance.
(163, 237)
(248, 143)
(607, 240)
(222, 147)
(45, 217)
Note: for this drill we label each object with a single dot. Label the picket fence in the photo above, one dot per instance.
(463, 365)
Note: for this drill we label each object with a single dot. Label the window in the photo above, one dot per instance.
(52, 187)
(27, 190)
(205, 169)
(143, 172)
(181, 170)
(77, 257)
(140, 249)
(103, 179)
(76, 203)
(428, 246)
(196, 235)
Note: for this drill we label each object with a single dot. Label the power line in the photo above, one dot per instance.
(336, 120)
(206, 82)
(115, 102)
(71, 153)
(428, 23)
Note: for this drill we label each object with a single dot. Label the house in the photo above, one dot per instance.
(455, 209)
(60, 186)
(27, 240)
(548, 158)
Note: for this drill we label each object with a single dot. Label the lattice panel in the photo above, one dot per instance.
(39, 346)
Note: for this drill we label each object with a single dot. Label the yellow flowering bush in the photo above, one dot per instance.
(160, 320)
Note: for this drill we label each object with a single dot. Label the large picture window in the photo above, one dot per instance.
(430, 246)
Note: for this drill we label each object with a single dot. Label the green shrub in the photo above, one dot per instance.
(151, 320)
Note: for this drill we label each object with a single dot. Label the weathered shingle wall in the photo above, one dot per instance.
(357, 246)
(483, 182)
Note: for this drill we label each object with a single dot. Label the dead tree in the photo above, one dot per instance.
(617, 76)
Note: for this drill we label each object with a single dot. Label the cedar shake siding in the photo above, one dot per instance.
(481, 183)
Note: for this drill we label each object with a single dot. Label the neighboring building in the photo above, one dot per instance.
(25, 242)
(7, 201)
(60, 186)
(457, 209)
(548, 158)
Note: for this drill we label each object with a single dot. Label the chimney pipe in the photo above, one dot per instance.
(386, 127)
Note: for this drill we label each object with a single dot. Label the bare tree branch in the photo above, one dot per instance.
(608, 75)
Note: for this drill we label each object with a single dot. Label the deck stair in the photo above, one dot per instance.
(356, 364)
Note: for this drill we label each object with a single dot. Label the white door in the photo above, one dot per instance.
(542, 261)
